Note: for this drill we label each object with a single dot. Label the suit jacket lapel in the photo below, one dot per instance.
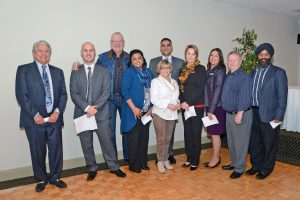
(37, 74)
(83, 78)
(269, 75)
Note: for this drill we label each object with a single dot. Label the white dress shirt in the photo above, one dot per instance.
(92, 66)
(169, 58)
(162, 94)
(50, 83)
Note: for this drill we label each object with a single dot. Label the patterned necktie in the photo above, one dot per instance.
(47, 89)
(89, 92)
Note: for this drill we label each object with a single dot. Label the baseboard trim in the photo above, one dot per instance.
(77, 166)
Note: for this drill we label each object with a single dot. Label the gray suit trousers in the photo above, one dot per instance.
(238, 136)
(105, 138)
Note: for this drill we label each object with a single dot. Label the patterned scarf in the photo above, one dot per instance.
(185, 72)
(144, 76)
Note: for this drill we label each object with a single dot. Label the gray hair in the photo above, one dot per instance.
(240, 56)
(35, 45)
(117, 33)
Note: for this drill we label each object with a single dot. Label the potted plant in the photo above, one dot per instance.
(247, 48)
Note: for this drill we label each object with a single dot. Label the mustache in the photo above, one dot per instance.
(264, 61)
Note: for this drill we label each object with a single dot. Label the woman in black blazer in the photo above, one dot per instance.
(191, 84)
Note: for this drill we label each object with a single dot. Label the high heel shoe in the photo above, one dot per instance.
(206, 165)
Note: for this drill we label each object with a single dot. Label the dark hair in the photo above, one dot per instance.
(221, 62)
(166, 39)
(134, 51)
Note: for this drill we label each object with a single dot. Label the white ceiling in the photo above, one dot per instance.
(285, 7)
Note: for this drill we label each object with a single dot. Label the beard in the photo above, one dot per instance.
(264, 62)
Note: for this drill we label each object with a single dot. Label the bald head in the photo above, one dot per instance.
(88, 53)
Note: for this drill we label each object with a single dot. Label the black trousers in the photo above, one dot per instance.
(263, 145)
(137, 143)
(192, 137)
(39, 139)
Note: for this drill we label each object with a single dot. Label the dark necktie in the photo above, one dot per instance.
(89, 92)
(46, 83)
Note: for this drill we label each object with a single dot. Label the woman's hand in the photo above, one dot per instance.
(185, 106)
(137, 112)
(210, 116)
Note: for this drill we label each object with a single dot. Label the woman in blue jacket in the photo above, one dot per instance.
(136, 84)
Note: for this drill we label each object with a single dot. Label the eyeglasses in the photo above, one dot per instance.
(164, 68)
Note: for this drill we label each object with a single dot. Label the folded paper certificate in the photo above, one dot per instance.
(85, 123)
(146, 118)
(190, 113)
(207, 122)
(274, 125)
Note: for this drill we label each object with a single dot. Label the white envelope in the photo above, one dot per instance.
(190, 113)
(85, 123)
(207, 122)
(146, 118)
(274, 125)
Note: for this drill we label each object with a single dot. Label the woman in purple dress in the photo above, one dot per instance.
(215, 76)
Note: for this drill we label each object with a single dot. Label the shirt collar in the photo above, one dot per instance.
(40, 65)
(92, 66)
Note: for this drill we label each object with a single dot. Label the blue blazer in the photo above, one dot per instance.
(30, 94)
(134, 90)
(273, 96)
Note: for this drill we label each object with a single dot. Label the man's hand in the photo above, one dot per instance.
(91, 111)
(38, 119)
(276, 121)
(238, 117)
(53, 117)
(75, 66)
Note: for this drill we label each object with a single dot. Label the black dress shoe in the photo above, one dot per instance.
(172, 160)
(261, 175)
(119, 173)
(91, 175)
(227, 167)
(145, 167)
(59, 183)
(192, 168)
(40, 186)
(252, 171)
(135, 170)
(235, 175)
(206, 165)
(185, 165)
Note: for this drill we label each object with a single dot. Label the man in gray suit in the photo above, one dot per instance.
(166, 49)
(89, 88)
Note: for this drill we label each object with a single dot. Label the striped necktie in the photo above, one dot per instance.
(48, 98)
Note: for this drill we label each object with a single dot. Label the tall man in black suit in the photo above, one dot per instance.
(41, 93)
(166, 49)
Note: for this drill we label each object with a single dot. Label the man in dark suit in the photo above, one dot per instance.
(166, 49)
(269, 99)
(41, 93)
(90, 90)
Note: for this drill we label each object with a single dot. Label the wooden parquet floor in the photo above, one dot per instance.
(177, 184)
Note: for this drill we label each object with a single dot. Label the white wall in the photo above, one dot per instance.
(67, 24)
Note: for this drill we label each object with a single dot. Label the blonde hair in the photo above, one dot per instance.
(162, 64)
